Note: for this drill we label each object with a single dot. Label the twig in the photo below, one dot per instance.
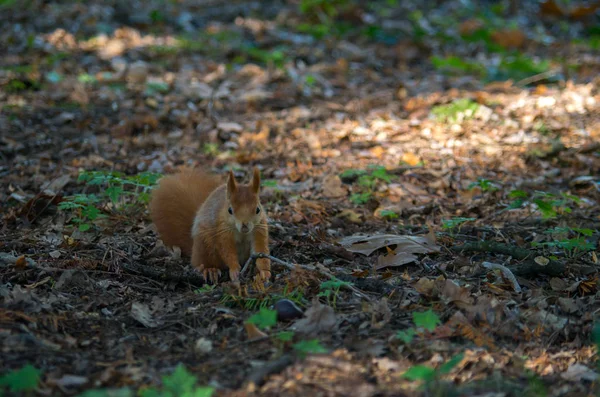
(259, 375)
(322, 271)
(535, 78)
(507, 273)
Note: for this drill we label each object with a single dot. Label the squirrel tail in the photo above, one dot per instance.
(175, 202)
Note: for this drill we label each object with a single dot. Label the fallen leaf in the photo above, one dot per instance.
(579, 372)
(317, 319)
(558, 284)
(453, 293)
(332, 187)
(253, 332)
(513, 38)
(568, 305)
(366, 245)
(21, 263)
(141, 312)
(411, 159)
(394, 259)
(350, 215)
(425, 286)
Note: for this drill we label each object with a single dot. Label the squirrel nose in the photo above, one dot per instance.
(245, 228)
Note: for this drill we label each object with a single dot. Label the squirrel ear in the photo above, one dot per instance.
(231, 186)
(256, 180)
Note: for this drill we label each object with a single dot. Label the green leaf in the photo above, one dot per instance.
(312, 346)
(265, 318)
(450, 364)
(285, 336)
(84, 227)
(200, 392)
(360, 198)
(585, 232)
(518, 194)
(427, 320)
(545, 207)
(388, 214)
(381, 173)
(114, 192)
(122, 392)
(454, 222)
(180, 381)
(406, 336)
(24, 379)
(419, 372)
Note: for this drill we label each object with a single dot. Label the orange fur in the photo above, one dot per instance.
(191, 210)
(174, 205)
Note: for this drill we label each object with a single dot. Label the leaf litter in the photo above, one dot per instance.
(403, 157)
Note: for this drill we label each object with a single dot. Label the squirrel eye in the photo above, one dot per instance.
(230, 210)
(258, 210)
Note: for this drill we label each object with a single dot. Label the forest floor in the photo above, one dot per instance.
(469, 134)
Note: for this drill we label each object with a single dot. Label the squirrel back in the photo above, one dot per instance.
(175, 202)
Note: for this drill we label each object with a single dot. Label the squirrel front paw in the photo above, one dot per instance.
(263, 268)
(234, 274)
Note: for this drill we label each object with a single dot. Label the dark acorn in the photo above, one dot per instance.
(287, 310)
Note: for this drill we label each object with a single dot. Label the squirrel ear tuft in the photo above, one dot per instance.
(256, 180)
(231, 186)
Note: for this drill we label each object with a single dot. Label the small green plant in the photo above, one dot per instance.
(331, 289)
(450, 224)
(455, 112)
(25, 379)
(552, 205)
(388, 214)
(361, 198)
(116, 192)
(312, 346)
(431, 376)
(485, 185)
(255, 303)
(573, 241)
(454, 64)
(285, 336)
(205, 289)
(367, 181)
(265, 318)
(519, 197)
(210, 149)
(425, 321)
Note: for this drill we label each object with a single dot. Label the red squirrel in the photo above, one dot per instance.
(219, 225)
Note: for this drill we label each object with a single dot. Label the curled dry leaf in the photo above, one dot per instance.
(451, 292)
(253, 332)
(394, 259)
(318, 318)
(141, 312)
(425, 286)
(366, 245)
(332, 187)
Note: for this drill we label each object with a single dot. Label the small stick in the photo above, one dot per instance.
(290, 266)
(507, 273)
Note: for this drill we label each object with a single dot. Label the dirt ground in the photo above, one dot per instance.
(352, 136)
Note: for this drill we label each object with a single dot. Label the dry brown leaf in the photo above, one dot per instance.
(253, 332)
(318, 318)
(366, 245)
(142, 313)
(411, 159)
(470, 26)
(550, 8)
(451, 292)
(21, 262)
(558, 284)
(333, 187)
(351, 216)
(513, 38)
(394, 259)
(425, 286)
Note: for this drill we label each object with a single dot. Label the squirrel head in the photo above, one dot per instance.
(244, 209)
